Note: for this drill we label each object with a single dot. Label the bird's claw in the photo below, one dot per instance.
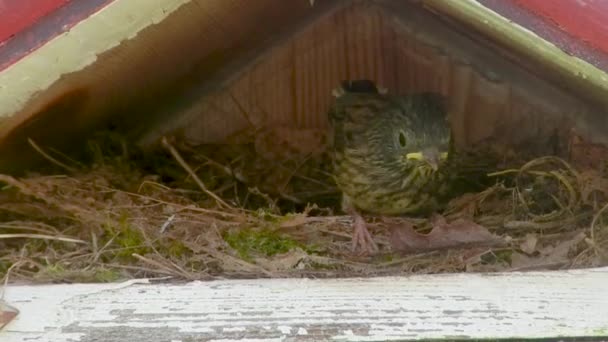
(362, 240)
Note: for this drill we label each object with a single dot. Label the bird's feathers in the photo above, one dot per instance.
(371, 133)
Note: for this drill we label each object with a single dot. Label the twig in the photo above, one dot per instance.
(271, 204)
(167, 223)
(168, 270)
(188, 169)
(517, 224)
(6, 278)
(99, 252)
(40, 236)
(140, 268)
(61, 154)
(155, 184)
(48, 157)
(595, 218)
(181, 207)
(180, 270)
(23, 227)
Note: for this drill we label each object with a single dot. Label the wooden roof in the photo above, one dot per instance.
(194, 67)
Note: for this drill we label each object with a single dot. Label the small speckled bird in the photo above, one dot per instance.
(389, 153)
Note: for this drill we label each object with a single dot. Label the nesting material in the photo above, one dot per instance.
(265, 205)
(231, 211)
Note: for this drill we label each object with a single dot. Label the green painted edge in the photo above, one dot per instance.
(576, 71)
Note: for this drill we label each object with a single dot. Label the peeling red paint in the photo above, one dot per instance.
(586, 20)
(25, 31)
(16, 16)
(577, 27)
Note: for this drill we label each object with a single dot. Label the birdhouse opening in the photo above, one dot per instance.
(221, 161)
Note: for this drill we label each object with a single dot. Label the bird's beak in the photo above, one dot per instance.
(431, 156)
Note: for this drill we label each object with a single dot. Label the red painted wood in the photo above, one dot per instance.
(587, 20)
(25, 31)
(17, 15)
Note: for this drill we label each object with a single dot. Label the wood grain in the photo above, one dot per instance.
(474, 306)
(401, 47)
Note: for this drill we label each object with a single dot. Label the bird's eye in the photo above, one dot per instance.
(349, 137)
(402, 140)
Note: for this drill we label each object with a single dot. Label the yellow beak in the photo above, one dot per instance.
(431, 156)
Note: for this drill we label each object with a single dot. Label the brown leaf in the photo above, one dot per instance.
(457, 234)
(290, 260)
(529, 244)
(295, 220)
(464, 206)
(7, 313)
(550, 256)
(585, 154)
(562, 249)
(592, 182)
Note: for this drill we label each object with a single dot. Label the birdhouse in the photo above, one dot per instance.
(526, 78)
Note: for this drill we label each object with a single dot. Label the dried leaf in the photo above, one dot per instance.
(585, 154)
(464, 206)
(295, 220)
(284, 262)
(521, 261)
(592, 182)
(529, 244)
(7, 313)
(561, 250)
(550, 256)
(457, 234)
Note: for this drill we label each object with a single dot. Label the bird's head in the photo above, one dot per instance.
(390, 133)
(417, 132)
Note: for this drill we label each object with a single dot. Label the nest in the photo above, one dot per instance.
(235, 211)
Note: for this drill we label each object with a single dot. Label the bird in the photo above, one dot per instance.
(390, 153)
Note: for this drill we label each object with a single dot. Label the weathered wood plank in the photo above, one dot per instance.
(536, 304)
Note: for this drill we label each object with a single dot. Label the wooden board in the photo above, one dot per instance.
(511, 305)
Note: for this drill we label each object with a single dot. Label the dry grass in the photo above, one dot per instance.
(228, 213)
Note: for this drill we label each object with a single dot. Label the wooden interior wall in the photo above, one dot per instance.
(406, 50)
(155, 74)
(215, 69)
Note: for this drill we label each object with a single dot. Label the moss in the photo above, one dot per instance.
(129, 239)
(388, 257)
(104, 275)
(59, 272)
(267, 215)
(501, 256)
(54, 271)
(4, 266)
(174, 248)
(265, 241)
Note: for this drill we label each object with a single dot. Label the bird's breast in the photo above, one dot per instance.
(383, 188)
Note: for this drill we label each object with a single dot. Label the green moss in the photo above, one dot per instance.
(58, 272)
(388, 257)
(503, 256)
(265, 241)
(104, 275)
(175, 248)
(53, 272)
(266, 215)
(4, 266)
(129, 239)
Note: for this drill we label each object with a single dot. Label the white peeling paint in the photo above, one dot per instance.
(533, 305)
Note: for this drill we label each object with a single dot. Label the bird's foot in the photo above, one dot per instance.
(362, 240)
